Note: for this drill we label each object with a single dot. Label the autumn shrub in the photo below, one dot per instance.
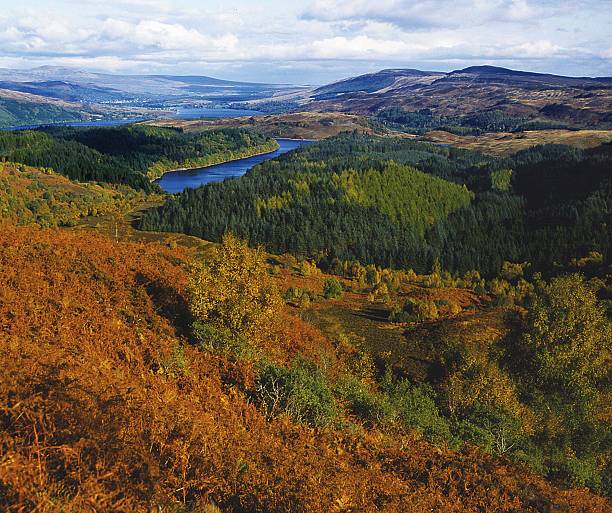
(219, 340)
(307, 268)
(416, 408)
(372, 275)
(370, 406)
(299, 297)
(562, 358)
(472, 280)
(379, 294)
(567, 336)
(415, 310)
(491, 427)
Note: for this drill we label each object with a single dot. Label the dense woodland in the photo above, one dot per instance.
(400, 203)
(24, 113)
(130, 155)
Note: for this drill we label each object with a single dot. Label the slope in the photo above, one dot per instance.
(107, 407)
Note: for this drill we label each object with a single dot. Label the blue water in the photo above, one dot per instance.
(214, 113)
(178, 181)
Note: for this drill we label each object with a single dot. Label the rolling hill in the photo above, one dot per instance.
(578, 101)
(78, 85)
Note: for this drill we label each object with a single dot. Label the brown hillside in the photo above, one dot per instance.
(104, 406)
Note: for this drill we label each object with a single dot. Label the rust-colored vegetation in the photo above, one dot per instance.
(107, 403)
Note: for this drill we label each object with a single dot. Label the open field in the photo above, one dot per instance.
(505, 143)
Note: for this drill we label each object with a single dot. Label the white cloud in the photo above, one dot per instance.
(423, 14)
(331, 36)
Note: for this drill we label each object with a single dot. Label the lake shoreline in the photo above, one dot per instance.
(153, 180)
(177, 180)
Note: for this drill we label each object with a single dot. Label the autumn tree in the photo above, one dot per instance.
(232, 291)
(568, 335)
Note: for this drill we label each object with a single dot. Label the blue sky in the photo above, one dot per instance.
(308, 42)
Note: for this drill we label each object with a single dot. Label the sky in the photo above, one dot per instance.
(308, 41)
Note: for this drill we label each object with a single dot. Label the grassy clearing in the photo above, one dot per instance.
(505, 143)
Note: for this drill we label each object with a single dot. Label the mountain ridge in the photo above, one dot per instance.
(577, 101)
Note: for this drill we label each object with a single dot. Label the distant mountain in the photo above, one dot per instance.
(78, 85)
(578, 101)
(32, 96)
(66, 91)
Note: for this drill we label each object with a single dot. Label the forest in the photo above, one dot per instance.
(131, 155)
(23, 113)
(406, 204)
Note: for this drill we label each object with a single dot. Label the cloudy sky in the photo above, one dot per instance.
(308, 41)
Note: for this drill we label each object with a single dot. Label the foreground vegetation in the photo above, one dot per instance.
(131, 155)
(400, 203)
(111, 401)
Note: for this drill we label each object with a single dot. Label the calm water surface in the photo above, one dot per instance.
(178, 181)
(214, 113)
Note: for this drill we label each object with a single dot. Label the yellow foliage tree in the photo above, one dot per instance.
(232, 290)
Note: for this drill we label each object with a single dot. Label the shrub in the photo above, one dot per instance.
(299, 297)
(513, 271)
(220, 340)
(307, 268)
(302, 391)
(372, 275)
(416, 408)
(371, 407)
(494, 429)
(332, 289)
(415, 311)
(567, 336)
(379, 294)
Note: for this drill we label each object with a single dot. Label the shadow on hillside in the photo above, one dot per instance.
(373, 314)
(169, 303)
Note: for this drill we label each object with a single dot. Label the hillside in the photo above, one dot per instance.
(507, 143)
(131, 155)
(298, 125)
(42, 197)
(22, 109)
(108, 405)
(581, 102)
